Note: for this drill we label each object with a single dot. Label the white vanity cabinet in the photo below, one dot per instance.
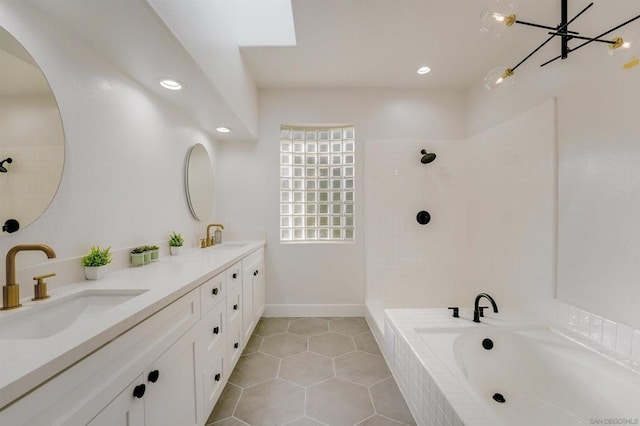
(253, 291)
(169, 369)
(165, 394)
(104, 379)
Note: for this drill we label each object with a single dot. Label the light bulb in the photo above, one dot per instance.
(499, 78)
(498, 17)
(626, 49)
(171, 84)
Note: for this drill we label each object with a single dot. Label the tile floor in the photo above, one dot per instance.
(311, 371)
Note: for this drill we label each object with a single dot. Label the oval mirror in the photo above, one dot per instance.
(199, 182)
(31, 138)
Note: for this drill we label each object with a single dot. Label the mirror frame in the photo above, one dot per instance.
(199, 185)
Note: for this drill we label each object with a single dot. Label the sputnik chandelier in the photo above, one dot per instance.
(501, 15)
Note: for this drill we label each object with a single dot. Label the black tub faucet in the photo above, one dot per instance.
(476, 310)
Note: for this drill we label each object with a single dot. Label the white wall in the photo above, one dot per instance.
(323, 274)
(598, 182)
(509, 190)
(123, 180)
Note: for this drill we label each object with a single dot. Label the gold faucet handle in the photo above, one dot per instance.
(41, 278)
(40, 288)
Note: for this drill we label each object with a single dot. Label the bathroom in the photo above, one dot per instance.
(533, 195)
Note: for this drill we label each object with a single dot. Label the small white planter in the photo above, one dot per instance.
(95, 272)
(175, 250)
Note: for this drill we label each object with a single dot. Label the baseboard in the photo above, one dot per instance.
(314, 311)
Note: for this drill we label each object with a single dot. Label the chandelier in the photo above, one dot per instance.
(501, 15)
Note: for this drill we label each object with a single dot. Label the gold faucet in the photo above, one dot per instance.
(11, 289)
(210, 241)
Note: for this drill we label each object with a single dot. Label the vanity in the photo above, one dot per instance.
(143, 346)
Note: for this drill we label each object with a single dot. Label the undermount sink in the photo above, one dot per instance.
(231, 245)
(40, 322)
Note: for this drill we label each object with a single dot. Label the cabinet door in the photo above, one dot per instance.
(127, 409)
(248, 321)
(173, 395)
(259, 291)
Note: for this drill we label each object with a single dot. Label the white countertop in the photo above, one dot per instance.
(25, 363)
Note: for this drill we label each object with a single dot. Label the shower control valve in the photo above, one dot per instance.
(456, 312)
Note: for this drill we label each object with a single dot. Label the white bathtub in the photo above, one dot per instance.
(544, 377)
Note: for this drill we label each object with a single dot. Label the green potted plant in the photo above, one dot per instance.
(175, 243)
(155, 253)
(95, 263)
(137, 256)
(147, 253)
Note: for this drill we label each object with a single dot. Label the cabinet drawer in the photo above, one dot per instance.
(234, 305)
(234, 345)
(212, 292)
(213, 380)
(212, 333)
(234, 276)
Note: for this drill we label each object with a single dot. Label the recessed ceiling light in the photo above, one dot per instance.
(423, 70)
(223, 129)
(171, 84)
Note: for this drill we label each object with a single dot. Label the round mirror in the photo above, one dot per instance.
(199, 182)
(31, 138)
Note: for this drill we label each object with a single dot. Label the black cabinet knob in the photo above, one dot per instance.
(217, 377)
(216, 330)
(255, 273)
(153, 376)
(235, 307)
(138, 391)
(214, 291)
(235, 345)
(235, 275)
(423, 217)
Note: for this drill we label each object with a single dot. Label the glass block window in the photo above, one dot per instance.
(317, 189)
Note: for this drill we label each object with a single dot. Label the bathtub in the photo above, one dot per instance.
(536, 376)
(506, 374)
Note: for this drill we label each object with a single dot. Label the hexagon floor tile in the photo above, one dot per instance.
(349, 326)
(275, 402)
(283, 345)
(306, 369)
(331, 344)
(270, 326)
(309, 326)
(389, 402)
(362, 368)
(290, 375)
(253, 369)
(339, 402)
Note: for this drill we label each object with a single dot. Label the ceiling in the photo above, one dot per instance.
(381, 43)
(338, 43)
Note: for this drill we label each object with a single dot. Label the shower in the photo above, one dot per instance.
(3, 169)
(427, 157)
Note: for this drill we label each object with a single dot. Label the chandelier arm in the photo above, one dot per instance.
(531, 24)
(532, 53)
(605, 33)
(551, 60)
(583, 38)
(594, 39)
